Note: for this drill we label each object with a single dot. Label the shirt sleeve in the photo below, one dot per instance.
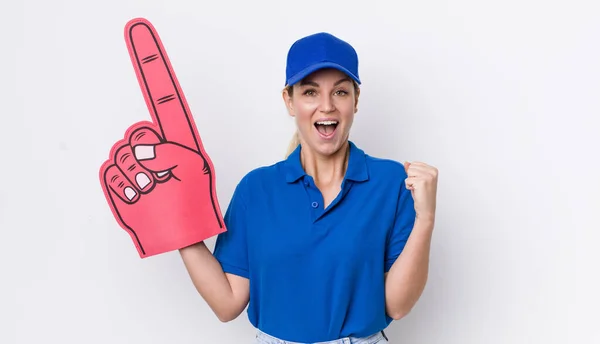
(403, 225)
(231, 248)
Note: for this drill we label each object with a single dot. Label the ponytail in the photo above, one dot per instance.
(294, 142)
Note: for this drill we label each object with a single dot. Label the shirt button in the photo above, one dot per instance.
(315, 204)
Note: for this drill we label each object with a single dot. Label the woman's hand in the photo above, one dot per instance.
(422, 182)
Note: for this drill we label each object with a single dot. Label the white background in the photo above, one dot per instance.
(501, 96)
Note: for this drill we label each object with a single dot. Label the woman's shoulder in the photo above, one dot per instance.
(263, 172)
(385, 167)
(260, 176)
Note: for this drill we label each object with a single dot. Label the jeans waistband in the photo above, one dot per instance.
(264, 338)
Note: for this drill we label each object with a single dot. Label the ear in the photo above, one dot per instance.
(357, 91)
(287, 100)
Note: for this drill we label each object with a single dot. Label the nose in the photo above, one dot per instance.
(327, 105)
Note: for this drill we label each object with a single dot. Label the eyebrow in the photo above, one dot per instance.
(312, 83)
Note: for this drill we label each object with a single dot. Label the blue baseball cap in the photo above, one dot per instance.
(318, 51)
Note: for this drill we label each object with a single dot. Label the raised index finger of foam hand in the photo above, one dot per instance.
(161, 90)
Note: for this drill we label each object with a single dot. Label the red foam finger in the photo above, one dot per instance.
(117, 191)
(182, 208)
(162, 92)
(120, 186)
(135, 173)
(146, 136)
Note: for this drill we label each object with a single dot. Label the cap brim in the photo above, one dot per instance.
(317, 66)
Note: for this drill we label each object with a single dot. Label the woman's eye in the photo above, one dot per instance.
(309, 92)
(341, 92)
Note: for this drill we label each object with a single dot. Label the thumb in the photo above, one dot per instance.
(406, 166)
(163, 156)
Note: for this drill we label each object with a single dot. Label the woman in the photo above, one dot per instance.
(330, 244)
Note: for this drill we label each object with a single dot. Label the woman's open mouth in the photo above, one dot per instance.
(326, 128)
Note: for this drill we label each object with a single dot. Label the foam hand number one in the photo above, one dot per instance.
(159, 181)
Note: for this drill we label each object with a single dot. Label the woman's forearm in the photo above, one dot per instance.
(227, 295)
(406, 279)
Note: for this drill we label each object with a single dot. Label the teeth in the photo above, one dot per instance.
(326, 122)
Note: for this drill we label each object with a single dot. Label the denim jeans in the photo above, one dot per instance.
(377, 338)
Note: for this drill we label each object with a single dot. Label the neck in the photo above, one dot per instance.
(325, 170)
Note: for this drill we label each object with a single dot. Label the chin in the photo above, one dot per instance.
(328, 147)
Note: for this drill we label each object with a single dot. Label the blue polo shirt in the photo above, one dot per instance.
(317, 274)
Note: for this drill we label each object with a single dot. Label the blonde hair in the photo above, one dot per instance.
(294, 142)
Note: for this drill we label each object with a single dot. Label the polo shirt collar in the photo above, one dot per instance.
(357, 165)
